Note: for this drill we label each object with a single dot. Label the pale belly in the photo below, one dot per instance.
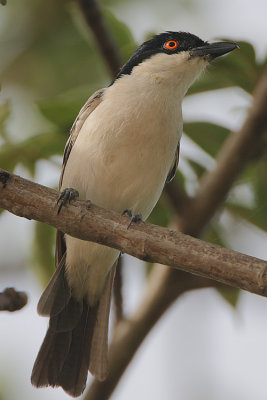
(127, 171)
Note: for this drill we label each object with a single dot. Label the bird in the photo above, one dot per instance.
(122, 149)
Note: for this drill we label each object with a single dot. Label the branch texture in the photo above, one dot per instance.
(145, 241)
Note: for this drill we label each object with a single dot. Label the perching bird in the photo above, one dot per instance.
(122, 149)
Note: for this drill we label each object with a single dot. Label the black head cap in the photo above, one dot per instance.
(168, 42)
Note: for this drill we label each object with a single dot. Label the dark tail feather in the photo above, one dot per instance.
(50, 359)
(75, 369)
(98, 365)
(76, 340)
(57, 293)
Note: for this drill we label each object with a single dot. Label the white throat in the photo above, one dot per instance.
(175, 72)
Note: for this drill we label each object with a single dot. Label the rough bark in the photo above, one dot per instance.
(147, 242)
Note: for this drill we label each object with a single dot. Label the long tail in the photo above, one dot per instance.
(76, 339)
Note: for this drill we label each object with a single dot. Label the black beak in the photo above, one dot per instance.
(213, 50)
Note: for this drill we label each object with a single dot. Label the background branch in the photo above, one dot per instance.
(237, 150)
(102, 35)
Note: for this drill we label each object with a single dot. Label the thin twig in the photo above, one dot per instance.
(102, 34)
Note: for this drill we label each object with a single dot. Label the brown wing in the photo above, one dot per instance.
(174, 166)
(86, 110)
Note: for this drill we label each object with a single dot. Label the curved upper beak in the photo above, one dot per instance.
(214, 50)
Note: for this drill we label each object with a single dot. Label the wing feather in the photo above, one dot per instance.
(86, 110)
(84, 113)
(174, 166)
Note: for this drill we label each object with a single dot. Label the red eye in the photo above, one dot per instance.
(171, 45)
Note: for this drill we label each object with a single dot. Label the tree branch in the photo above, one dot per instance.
(102, 34)
(147, 242)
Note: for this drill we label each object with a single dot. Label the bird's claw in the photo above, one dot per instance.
(133, 217)
(65, 197)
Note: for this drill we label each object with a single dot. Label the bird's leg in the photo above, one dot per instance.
(66, 196)
(133, 218)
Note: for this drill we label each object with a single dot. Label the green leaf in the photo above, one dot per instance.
(247, 53)
(264, 64)
(63, 109)
(122, 34)
(210, 81)
(161, 214)
(256, 176)
(4, 114)
(208, 136)
(260, 183)
(43, 251)
(255, 216)
(3, 2)
(57, 57)
(29, 151)
(230, 295)
(197, 168)
(214, 234)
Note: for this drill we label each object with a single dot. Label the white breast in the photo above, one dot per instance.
(125, 149)
(119, 161)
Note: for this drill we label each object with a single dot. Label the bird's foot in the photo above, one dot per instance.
(133, 217)
(65, 197)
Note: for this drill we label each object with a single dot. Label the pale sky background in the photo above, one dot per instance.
(202, 348)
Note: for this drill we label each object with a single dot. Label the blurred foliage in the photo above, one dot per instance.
(4, 114)
(55, 55)
(257, 214)
(230, 295)
(63, 108)
(239, 68)
(43, 251)
(207, 135)
(51, 55)
(161, 215)
(30, 151)
(122, 35)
